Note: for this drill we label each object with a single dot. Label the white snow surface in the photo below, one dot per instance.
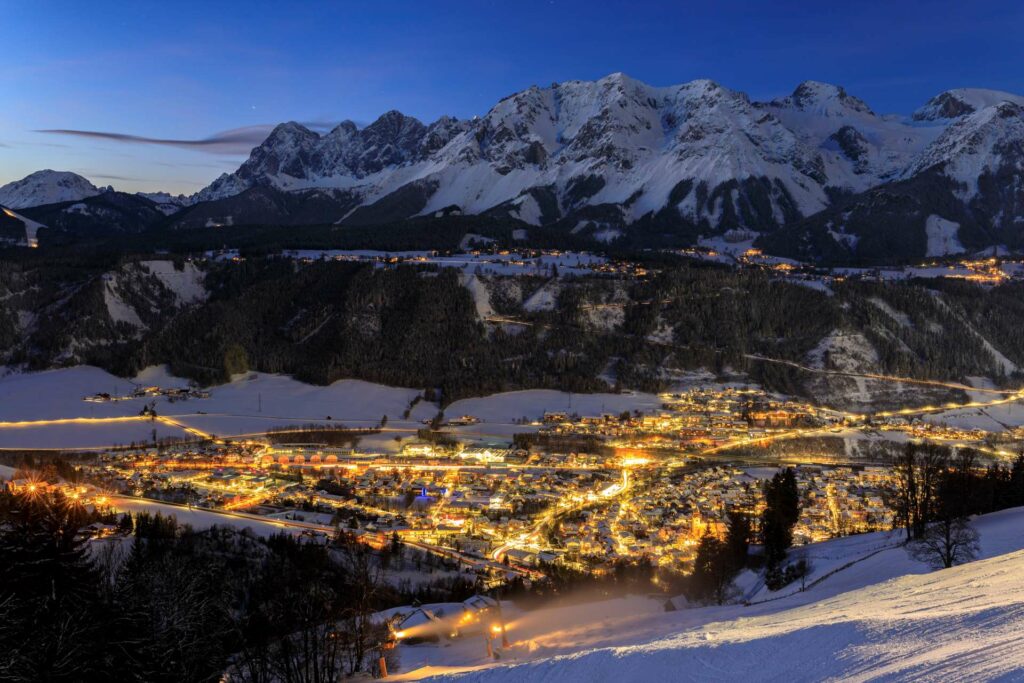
(481, 297)
(187, 283)
(816, 111)
(533, 403)
(638, 140)
(120, 311)
(251, 403)
(46, 187)
(544, 299)
(974, 144)
(31, 227)
(254, 402)
(942, 237)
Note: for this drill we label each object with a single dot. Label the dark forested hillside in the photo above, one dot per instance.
(326, 320)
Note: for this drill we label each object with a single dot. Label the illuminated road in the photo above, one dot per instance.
(883, 378)
(532, 537)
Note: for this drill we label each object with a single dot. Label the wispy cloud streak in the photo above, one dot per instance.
(234, 141)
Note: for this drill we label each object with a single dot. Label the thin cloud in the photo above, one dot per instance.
(103, 176)
(234, 141)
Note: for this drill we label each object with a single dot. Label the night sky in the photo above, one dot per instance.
(209, 79)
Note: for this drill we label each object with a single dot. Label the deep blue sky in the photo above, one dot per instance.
(187, 71)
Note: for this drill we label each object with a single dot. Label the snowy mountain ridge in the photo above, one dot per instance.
(617, 151)
(817, 174)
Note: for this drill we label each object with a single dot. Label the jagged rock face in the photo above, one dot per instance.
(854, 146)
(294, 157)
(965, 188)
(827, 99)
(46, 187)
(985, 140)
(859, 149)
(688, 159)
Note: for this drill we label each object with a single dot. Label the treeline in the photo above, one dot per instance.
(417, 234)
(917, 333)
(174, 604)
(327, 435)
(935, 492)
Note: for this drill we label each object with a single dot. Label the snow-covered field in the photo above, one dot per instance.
(252, 403)
(876, 614)
(255, 402)
(201, 519)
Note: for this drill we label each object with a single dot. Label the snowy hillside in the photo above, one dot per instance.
(46, 187)
(983, 142)
(877, 614)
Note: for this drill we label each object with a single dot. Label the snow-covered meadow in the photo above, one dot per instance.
(253, 403)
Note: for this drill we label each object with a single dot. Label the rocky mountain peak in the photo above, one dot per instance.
(826, 99)
(953, 104)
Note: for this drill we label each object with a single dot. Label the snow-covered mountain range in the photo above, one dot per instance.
(600, 156)
(696, 158)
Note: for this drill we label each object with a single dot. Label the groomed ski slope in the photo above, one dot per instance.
(883, 618)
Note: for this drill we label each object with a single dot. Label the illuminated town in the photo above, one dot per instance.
(584, 491)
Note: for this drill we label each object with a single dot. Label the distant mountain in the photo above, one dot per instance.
(46, 187)
(858, 148)
(690, 159)
(166, 202)
(818, 173)
(550, 154)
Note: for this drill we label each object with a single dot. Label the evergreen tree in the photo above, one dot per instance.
(781, 513)
(737, 537)
(49, 591)
(713, 571)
